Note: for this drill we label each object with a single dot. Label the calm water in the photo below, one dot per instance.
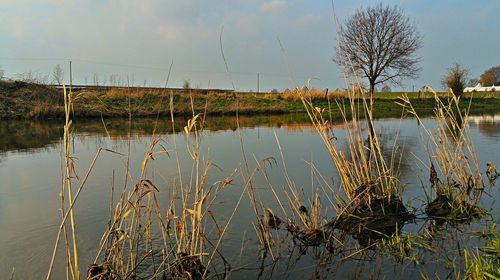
(30, 174)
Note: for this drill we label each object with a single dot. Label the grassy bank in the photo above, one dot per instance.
(30, 101)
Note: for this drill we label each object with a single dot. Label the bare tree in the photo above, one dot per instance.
(58, 74)
(455, 79)
(33, 78)
(186, 85)
(379, 43)
(2, 72)
(112, 80)
(96, 79)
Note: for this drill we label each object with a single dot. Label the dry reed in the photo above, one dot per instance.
(455, 174)
(142, 237)
(314, 94)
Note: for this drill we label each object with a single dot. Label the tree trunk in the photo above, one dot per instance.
(372, 90)
(368, 115)
(369, 122)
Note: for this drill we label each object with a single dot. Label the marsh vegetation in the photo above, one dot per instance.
(168, 197)
(351, 185)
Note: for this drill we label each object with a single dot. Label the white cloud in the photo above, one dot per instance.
(274, 6)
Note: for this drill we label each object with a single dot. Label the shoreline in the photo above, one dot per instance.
(20, 100)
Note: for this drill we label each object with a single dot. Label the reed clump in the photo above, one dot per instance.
(310, 231)
(368, 204)
(455, 175)
(370, 189)
(304, 219)
(144, 238)
(306, 227)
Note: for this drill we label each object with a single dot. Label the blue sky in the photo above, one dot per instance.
(139, 39)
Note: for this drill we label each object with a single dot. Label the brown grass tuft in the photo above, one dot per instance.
(314, 94)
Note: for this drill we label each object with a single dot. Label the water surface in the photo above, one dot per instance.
(30, 172)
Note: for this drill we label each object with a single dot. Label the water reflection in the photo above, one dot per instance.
(488, 125)
(30, 181)
(28, 136)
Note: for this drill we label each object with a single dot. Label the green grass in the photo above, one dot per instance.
(484, 262)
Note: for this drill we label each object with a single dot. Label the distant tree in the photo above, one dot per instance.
(186, 84)
(2, 73)
(274, 91)
(131, 80)
(112, 80)
(488, 79)
(58, 74)
(96, 79)
(455, 79)
(33, 78)
(386, 88)
(380, 44)
(496, 71)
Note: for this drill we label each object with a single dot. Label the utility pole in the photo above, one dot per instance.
(70, 76)
(258, 82)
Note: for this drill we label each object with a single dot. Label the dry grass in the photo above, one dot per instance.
(43, 109)
(366, 178)
(455, 173)
(314, 94)
(135, 93)
(172, 241)
(305, 218)
(364, 172)
(68, 198)
(140, 228)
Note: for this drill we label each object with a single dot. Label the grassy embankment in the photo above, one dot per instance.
(29, 101)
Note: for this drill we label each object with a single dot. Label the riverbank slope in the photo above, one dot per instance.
(19, 100)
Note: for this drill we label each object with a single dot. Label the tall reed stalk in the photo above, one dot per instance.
(67, 206)
(453, 163)
(173, 240)
(142, 236)
(364, 172)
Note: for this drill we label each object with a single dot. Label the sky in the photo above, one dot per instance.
(287, 41)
